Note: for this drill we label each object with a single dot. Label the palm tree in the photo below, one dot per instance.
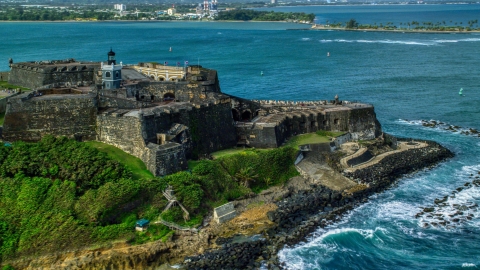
(245, 176)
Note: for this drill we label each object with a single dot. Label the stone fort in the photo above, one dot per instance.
(162, 114)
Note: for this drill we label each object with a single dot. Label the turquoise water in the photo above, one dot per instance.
(408, 77)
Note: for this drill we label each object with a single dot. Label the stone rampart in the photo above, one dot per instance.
(166, 159)
(210, 128)
(338, 141)
(33, 75)
(274, 129)
(4, 75)
(123, 129)
(30, 117)
(3, 102)
(121, 103)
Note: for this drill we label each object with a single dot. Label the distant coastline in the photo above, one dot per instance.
(402, 30)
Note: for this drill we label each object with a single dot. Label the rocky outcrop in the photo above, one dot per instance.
(231, 256)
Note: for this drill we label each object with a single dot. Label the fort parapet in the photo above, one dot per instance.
(40, 73)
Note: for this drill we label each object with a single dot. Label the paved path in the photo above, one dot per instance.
(402, 146)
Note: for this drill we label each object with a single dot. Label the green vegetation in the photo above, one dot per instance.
(6, 85)
(320, 136)
(2, 118)
(134, 164)
(472, 25)
(351, 24)
(252, 15)
(232, 151)
(61, 194)
(19, 13)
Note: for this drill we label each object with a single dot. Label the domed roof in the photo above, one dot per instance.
(111, 53)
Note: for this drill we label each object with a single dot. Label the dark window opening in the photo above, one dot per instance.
(235, 115)
(168, 97)
(246, 115)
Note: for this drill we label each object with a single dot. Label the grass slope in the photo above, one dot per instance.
(6, 85)
(134, 164)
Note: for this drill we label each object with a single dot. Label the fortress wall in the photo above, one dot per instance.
(262, 137)
(29, 118)
(128, 132)
(4, 75)
(3, 102)
(26, 78)
(360, 122)
(121, 103)
(166, 159)
(182, 90)
(211, 128)
(124, 132)
(363, 124)
(337, 120)
(36, 76)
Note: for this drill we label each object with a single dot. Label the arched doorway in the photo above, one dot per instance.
(168, 97)
(246, 115)
(235, 115)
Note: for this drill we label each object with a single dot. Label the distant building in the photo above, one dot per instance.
(171, 11)
(273, 1)
(120, 7)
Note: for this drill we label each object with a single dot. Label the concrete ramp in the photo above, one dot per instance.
(320, 173)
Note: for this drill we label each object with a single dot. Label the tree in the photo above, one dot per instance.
(245, 176)
(352, 24)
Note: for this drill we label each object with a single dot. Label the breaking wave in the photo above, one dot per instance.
(403, 42)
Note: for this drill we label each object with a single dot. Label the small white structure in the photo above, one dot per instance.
(171, 11)
(120, 7)
(224, 213)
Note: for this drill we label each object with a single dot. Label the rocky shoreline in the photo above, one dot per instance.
(302, 213)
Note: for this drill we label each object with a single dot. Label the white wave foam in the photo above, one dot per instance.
(470, 39)
(326, 40)
(386, 41)
(469, 265)
(306, 39)
(344, 40)
(322, 246)
(459, 208)
(396, 210)
(446, 41)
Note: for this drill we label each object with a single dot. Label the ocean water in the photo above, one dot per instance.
(407, 77)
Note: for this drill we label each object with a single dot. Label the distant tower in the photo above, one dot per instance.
(205, 5)
(111, 57)
(111, 72)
